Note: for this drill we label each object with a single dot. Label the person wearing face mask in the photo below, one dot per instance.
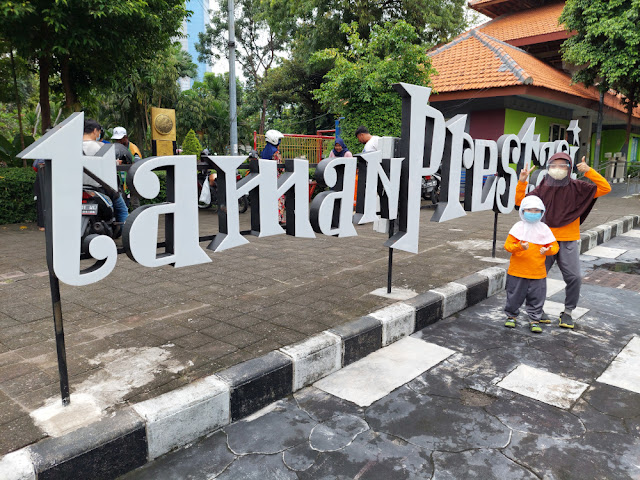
(530, 243)
(568, 203)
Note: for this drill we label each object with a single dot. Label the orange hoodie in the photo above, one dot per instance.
(571, 231)
(528, 263)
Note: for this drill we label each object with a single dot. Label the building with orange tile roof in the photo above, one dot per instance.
(510, 68)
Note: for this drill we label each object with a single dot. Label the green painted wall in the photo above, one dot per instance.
(612, 141)
(637, 159)
(514, 119)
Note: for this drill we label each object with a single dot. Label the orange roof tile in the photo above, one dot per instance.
(527, 23)
(476, 61)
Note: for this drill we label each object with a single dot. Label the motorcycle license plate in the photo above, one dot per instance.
(89, 209)
(431, 183)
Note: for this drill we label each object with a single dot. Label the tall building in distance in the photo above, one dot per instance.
(191, 27)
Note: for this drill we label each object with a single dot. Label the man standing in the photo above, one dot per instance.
(370, 141)
(120, 136)
(91, 146)
(567, 202)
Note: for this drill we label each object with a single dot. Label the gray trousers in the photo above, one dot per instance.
(568, 258)
(534, 291)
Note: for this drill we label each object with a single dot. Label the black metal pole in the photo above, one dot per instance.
(495, 233)
(54, 284)
(390, 264)
(62, 355)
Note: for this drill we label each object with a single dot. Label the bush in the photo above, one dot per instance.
(191, 145)
(162, 196)
(16, 195)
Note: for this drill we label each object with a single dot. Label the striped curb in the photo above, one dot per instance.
(134, 435)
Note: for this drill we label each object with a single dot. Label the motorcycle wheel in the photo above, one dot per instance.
(202, 206)
(435, 196)
(243, 204)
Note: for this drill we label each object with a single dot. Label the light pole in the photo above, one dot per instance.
(233, 118)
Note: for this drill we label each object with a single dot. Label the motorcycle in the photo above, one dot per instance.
(431, 188)
(98, 216)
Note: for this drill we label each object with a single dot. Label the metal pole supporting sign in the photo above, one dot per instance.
(55, 286)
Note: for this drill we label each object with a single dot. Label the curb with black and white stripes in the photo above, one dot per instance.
(135, 435)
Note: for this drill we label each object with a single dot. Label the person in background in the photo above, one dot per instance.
(120, 136)
(91, 146)
(271, 152)
(369, 141)
(530, 243)
(340, 149)
(568, 203)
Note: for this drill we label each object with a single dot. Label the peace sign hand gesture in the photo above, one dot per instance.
(524, 173)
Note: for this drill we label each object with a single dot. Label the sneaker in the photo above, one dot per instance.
(535, 327)
(511, 322)
(545, 318)
(566, 320)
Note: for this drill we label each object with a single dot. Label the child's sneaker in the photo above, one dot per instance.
(511, 322)
(566, 320)
(545, 318)
(535, 327)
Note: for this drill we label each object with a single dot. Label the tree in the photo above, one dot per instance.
(191, 145)
(87, 43)
(257, 44)
(359, 86)
(607, 46)
(151, 82)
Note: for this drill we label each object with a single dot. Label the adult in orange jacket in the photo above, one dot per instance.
(568, 203)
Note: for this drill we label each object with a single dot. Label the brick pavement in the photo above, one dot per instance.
(142, 332)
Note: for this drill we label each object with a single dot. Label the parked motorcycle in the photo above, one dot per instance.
(431, 188)
(98, 216)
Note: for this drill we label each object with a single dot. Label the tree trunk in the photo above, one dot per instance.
(18, 104)
(263, 116)
(45, 67)
(70, 99)
(596, 155)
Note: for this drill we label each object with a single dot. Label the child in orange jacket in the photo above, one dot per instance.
(530, 242)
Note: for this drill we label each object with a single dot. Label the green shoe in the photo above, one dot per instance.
(511, 322)
(566, 320)
(545, 318)
(535, 327)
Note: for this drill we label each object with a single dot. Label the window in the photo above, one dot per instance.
(557, 132)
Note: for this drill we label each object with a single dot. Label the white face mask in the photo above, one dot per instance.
(558, 173)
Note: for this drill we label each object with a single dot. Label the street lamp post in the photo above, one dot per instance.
(233, 118)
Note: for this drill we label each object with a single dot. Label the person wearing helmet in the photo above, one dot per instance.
(530, 242)
(568, 203)
(271, 152)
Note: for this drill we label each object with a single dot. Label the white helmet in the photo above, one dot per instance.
(273, 137)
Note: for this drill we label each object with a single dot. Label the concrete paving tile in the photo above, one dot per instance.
(543, 386)
(242, 339)
(624, 371)
(26, 383)
(605, 252)
(596, 421)
(258, 467)
(192, 341)
(18, 433)
(215, 349)
(221, 329)
(381, 372)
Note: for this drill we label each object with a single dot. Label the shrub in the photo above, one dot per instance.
(191, 145)
(16, 195)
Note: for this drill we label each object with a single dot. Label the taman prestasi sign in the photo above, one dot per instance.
(389, 187)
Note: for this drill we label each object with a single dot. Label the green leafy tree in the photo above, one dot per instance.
(191, 145)
(606, 45)
(87, 44)
(359, 86)
(257, 44)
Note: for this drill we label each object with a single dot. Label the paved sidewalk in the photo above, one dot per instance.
(494, 403)
(143, 332)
